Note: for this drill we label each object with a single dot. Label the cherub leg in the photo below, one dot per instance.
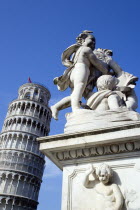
(132, 101)
(77, 95)
(114, 101)
(79, 79)
(62, 104)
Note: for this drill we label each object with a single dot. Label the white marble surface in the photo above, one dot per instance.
(126, 176)
(90, 120)
(117, 146)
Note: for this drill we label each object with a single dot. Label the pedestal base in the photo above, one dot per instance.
(118, 146)
(85, 119)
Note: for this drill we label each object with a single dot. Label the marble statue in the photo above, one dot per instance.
(107, 97)
(83, 68)
(107, 195)
(126, 81)
(86, 66)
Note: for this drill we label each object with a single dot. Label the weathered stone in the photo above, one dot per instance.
(117, 146)
(21, 162)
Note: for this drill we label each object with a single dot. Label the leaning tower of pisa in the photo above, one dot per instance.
(21, 162)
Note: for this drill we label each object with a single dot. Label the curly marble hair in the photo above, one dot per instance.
(106, 82)
(104, 167)
(82, 36)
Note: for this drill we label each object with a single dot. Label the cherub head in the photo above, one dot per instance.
(106, 82)
(86, 38)
(103, 173)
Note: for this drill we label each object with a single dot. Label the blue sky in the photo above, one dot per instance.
(34, 33)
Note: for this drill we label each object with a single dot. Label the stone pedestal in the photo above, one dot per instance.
(118, 146)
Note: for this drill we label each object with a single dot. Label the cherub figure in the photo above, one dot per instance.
(126, 81)
(85, 65)
(80, 60)
(107, 195)
(107, 97)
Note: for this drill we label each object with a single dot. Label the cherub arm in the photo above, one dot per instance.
(86, 181)
(118, 197)
(96, 62)
(115, 67)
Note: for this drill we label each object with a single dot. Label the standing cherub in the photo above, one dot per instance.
(80, 60)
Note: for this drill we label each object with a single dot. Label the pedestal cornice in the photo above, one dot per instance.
(98, 145)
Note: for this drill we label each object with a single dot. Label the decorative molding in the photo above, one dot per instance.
(109, 130)
(70, 185)
(99, 150)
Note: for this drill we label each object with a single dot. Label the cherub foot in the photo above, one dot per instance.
(54, 112)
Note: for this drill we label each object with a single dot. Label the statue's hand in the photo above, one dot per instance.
(91, 169)
(68, 63)
(124, 89)
(108, 59)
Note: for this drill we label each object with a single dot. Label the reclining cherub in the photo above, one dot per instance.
(126, 82)
(107, 97)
